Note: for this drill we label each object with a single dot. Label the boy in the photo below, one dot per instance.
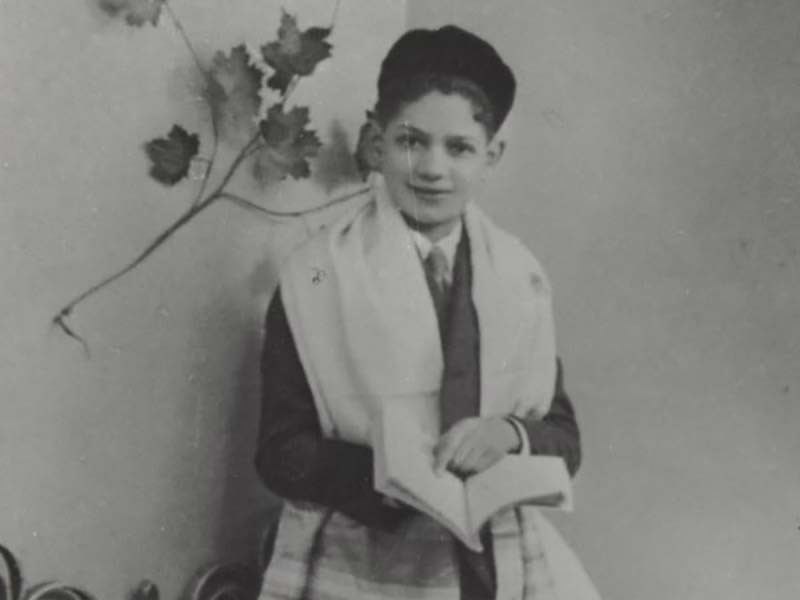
(417, 298)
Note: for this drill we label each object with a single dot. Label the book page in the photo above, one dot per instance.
(540, 480)
(404, 470)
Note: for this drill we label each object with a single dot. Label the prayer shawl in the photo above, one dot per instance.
(365, 327)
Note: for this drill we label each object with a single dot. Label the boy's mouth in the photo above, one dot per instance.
(427, 191)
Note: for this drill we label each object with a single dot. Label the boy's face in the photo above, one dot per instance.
(434, 157)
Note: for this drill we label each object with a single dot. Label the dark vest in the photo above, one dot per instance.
(460, 398)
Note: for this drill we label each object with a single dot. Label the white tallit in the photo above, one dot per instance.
(365, 327)
(366, 332)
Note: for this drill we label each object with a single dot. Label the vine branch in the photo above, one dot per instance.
(182, 32)
(207, 80)
(281, 214)
(194, 210)
(202, 200)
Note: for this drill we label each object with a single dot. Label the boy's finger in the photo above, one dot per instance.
(463, 457)
(468, 458)
(446, 448)
(486, 460)
(443, 454)
(450, 442)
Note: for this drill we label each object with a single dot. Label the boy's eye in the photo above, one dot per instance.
(409, 141)
(460, 148)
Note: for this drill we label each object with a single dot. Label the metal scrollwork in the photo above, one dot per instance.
(12, 584)
(222, 581)
(226, 582)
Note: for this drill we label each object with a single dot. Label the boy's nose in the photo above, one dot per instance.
(431, 165)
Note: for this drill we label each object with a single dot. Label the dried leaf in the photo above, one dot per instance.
(171, 157)
(296, 53)
(135, 12)
(233, 93)
(288, 145)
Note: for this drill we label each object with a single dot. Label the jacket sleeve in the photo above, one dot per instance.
(557, 432)
(293, 458)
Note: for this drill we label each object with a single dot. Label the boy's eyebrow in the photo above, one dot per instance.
(458, 137)
(461, 138)
(413, 129)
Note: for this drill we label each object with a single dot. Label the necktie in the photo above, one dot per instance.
(436, 273)
(460, 393)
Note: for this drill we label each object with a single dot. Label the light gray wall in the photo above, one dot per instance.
(654, 167)
(138, 462)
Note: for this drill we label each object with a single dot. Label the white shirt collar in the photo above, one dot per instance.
(448, 244)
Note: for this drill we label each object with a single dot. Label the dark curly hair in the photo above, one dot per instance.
(404, 91)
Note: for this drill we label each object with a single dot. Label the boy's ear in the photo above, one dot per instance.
(369, 151)
(495, 151)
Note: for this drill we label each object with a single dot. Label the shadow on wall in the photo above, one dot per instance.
(247, 508)
(335, 165)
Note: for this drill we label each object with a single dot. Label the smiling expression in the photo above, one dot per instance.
(434, 158)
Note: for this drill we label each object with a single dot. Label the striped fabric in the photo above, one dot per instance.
(324, 555)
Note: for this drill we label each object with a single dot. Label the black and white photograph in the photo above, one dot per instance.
(399, 299)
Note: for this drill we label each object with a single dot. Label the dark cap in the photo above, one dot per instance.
(455, 52)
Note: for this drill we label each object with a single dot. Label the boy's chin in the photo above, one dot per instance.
(424, 220)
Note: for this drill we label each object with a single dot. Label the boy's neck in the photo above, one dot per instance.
(433, 231)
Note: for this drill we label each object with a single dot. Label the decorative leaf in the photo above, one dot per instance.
(288, 145)
(171, 157)
(135, 12)
(146, 590)
(52, 590)
(233, 93)
(295, 53)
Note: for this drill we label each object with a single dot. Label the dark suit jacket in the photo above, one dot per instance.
(296, 462)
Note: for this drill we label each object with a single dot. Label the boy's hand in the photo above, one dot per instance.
(475, 444)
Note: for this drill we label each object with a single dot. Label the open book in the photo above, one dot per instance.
(404, 471)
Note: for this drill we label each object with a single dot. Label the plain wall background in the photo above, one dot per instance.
(653, 167)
